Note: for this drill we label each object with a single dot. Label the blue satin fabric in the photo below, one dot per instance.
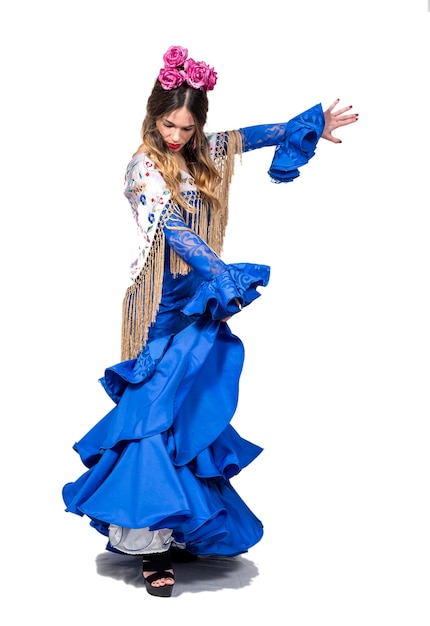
(295, 142)
(302, 135)
(164, 456)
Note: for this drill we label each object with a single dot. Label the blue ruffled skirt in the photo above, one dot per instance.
(164, 456)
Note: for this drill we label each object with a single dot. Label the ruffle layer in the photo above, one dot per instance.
(302, 135)
(218, 296)
(164, 455)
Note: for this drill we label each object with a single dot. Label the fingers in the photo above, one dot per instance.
(336, 119)
(331, 107)
(340, 111)
(346, 119)
(348, 108)
(333, 139)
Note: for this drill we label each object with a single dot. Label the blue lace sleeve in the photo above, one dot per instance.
(190, 247)
(225, 289)
(295, 142)
(254, 137)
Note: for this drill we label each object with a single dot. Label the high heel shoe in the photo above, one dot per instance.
(181, 555)
(159, 563)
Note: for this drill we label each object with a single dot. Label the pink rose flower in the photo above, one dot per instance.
(170, 78)
(211, 79)
(178, 69)
(175, 56)
(199, 75)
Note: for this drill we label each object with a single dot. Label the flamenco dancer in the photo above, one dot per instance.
(159, 465)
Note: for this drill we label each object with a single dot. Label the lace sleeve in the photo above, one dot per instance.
(192, 249)
(254, 137)
(295, 142)
(225, 289)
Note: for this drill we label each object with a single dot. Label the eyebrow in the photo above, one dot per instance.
(165, 119)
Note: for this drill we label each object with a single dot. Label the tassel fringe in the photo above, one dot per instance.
(142, 298)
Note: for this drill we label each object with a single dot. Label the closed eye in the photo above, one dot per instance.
(170, 125)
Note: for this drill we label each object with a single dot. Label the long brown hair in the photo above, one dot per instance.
(196, 150)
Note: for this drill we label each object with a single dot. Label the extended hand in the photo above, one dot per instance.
(335, 119)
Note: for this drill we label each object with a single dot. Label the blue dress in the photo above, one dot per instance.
(165, 455)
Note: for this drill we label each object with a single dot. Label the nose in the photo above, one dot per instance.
(176, 135)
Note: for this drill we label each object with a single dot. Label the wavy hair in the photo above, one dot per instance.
(196, 150)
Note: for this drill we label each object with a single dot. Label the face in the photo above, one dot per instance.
(176, 128)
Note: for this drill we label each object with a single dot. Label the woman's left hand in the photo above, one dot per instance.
(334, 119)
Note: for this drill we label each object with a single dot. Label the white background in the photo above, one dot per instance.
(336, 379)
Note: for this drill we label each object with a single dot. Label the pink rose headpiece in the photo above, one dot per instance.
(179, 69)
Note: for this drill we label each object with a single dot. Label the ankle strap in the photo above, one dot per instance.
(157, 561)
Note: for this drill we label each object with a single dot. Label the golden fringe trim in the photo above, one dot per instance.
(142, 298)
(199, 221)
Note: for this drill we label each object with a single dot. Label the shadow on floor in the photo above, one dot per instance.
(205, 574)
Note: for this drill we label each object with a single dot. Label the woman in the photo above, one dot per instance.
(160, 462)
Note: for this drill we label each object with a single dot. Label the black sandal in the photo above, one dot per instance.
(181, 555)
(159, 563)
